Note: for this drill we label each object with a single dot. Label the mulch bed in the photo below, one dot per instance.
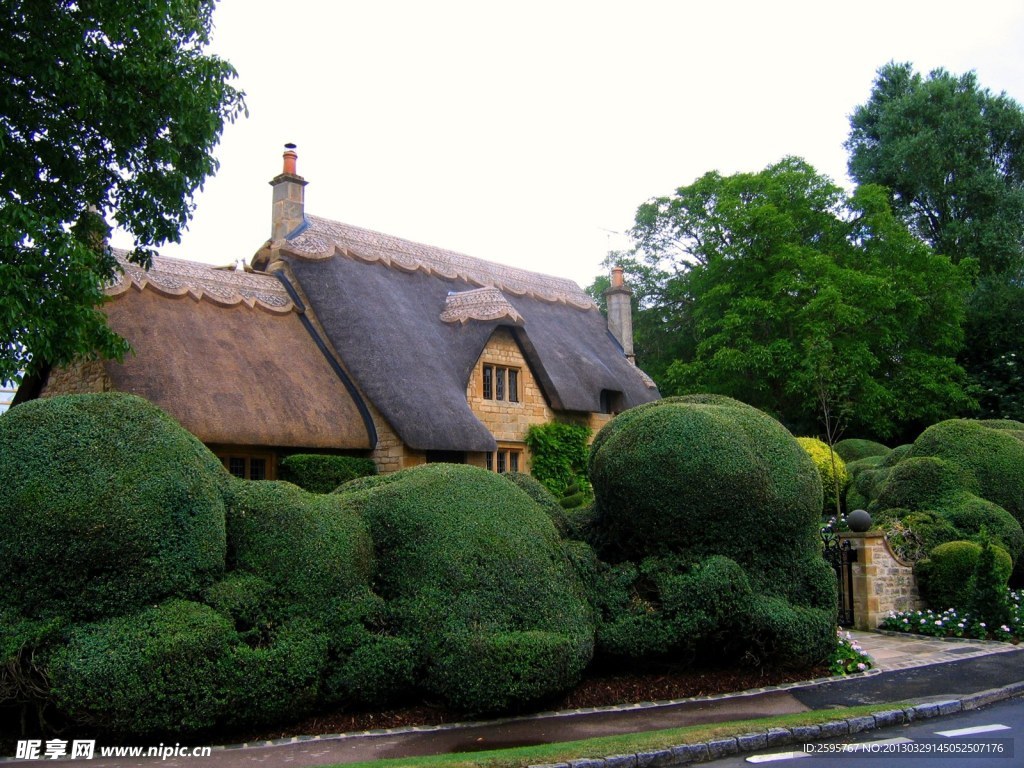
(596, 691)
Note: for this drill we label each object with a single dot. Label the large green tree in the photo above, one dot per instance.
(951, 154)
(108, 108)
(805, 301)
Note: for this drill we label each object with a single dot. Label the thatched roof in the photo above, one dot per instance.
(227, 355)
(410, 321)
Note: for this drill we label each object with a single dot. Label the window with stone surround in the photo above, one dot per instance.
(505, 460)
(501, 383)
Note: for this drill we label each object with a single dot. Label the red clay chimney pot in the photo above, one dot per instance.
(289, 159)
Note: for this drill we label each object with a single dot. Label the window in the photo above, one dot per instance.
(247, 467)
(611, 401)
(505, 460)
(501, 383)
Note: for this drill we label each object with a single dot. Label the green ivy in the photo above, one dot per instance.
(558, 455)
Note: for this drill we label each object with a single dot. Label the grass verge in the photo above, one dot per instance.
(623, 744)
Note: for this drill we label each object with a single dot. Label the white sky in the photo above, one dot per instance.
(521, 131)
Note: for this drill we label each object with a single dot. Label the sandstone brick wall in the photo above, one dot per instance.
(391, 454)
(507, 421)
(79, 378)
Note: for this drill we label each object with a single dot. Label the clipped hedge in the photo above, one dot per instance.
(690, 488)
(854, 449)
(991, 459)
(162, 670)
(946, 577)
(310, 547)
(322, 473)
(705, 475)
(464, 589)
(106, 505)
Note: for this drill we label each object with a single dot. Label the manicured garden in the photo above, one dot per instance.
(150, 592)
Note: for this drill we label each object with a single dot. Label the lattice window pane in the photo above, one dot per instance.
(513, 460)
(513, 386)
(501, 461)
(257, 469)
(488, 382)
(499, 383)
(236, 466)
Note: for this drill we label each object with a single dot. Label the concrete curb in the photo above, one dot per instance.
(686, 754)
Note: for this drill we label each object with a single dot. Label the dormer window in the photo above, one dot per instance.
(501, 383)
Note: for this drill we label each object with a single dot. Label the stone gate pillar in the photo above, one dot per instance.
(881, 582)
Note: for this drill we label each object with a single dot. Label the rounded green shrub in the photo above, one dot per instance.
(945, 578)
(691, 488)
(106, 505)
(277, 679)
(705, 475)
(544, 498)
(975, 518)
(919, 483)
(831, 468)
(322, 473)
(477, 580)
(376, 671)
(310, 547)
(853, 449)
(164, 669)
(991, 460)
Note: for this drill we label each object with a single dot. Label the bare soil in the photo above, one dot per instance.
(597, 690)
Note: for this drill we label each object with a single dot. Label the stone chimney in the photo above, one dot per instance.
(620, 313)
(289, 197)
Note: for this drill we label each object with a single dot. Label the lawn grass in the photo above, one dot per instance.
(623, 744)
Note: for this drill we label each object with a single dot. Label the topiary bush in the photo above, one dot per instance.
(322, 473)
(705, 475)
(853, 449)
(698, 483)
(476, 604)
(106, 505)
(542, 496)
(831, 468)
(309, 547)
(991, 460)
(945, 578)
(161, 670)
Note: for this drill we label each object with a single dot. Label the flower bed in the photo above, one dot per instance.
(848, 657)
(951, 623)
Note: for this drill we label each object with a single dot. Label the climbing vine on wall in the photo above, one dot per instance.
(558, 455)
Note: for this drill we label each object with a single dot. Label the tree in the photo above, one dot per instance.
(109, 108)
(951, 154)
(806, 302)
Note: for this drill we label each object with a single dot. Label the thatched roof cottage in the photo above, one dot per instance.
(340, 339)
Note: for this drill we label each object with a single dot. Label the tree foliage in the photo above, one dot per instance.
(951, 154)
(108, 106)
(795, 295)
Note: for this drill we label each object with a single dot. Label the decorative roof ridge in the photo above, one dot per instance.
(325, 238)
(484, 304)
(179, 277)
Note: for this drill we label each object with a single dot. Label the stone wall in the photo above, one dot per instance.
(80, 378)
(881, 582)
